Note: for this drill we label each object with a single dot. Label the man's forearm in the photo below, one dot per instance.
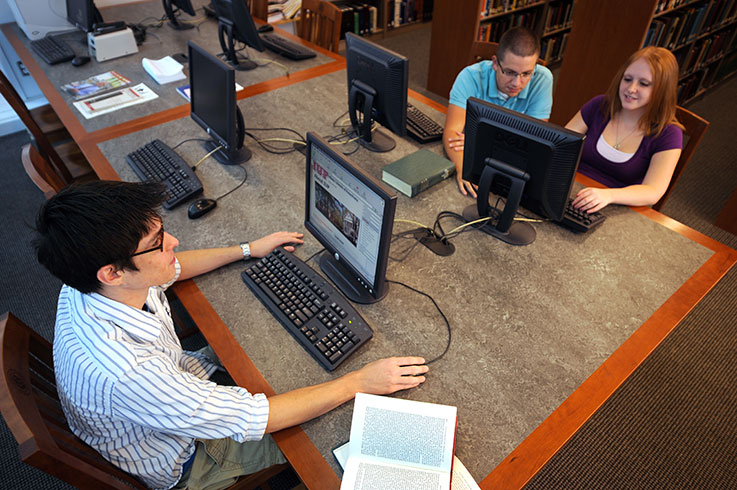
(196, 262)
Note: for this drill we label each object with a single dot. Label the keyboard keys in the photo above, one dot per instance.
(580, 221)
(421, 127)
(156, 162)
(288, 49)
(52, 50)
(309, 307)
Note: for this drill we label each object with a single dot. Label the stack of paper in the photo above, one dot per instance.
(165, 70)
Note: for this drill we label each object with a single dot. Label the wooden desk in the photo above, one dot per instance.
(530, 324)
(560, 323)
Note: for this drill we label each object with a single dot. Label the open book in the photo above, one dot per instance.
(400, 444)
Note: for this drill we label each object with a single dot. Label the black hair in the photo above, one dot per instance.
(520, 41)
(87, 226)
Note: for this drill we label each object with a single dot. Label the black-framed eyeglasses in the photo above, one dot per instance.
(513, 74)
(159, 247)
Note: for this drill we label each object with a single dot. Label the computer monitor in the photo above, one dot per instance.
(236, 24)
(352, 215)
(83, 14)
(377, 91)
(526, 160)
(214, 107)
(172, 8)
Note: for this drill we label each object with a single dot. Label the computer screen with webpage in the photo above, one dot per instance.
(350, 214)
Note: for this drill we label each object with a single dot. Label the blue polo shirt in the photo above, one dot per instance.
(479, 80)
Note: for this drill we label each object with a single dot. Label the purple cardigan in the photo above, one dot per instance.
(613, 174)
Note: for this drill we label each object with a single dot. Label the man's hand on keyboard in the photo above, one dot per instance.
(391, 374)
(264, 246)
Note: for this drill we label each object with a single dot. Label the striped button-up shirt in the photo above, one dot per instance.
(131, 392)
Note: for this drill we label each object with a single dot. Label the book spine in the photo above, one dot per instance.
(429, 182)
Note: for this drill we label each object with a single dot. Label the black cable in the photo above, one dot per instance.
(245, 177)
(271, 148)
(447, 323)
(187, 141)
(315, 255)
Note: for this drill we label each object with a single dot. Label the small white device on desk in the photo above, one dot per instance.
(109, 41)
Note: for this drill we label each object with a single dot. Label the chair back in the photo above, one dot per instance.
(320, 23)
(694, 129)
(485, 50)
(30, 405)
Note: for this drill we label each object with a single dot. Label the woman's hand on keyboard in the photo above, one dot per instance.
(264, 246)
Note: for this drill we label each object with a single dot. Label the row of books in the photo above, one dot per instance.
(703, 51)
(664, 5)
(404, 11)
(493, 30)
(558, 16)
(358, 17)
(552, 48)
(491, 7)
(695, 83)
(673, 31)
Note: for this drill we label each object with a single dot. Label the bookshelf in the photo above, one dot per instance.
(457, 25)
(701, 33)
(369, 17)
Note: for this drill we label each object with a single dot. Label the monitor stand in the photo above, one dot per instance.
(505, 229)
(171, 15)
(361, 101)
(239, 154)
(227, 44)
(348, 284)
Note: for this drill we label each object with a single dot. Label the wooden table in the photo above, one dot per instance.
(704, 263)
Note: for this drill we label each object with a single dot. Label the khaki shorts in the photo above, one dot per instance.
(218, 463)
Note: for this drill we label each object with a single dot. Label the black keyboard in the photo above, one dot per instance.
(156, 162)
(288, 49)
(421, 127)
(580, 221)
(308, 306)
(52, 50)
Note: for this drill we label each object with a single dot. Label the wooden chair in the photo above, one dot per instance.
(50, 166)
(695, 127)
(484, 50)
(30, 405)
(319, 23)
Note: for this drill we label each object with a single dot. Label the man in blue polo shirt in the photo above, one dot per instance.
(512, 79)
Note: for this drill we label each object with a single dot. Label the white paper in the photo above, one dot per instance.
(165, 70)
(462, 479)
(403, 437)
(113, 101)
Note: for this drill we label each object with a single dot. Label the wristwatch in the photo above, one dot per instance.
(246, 249)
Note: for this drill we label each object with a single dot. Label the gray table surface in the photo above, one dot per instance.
(529, 324)
(160, 42)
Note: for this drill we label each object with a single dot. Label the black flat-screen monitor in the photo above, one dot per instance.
(377, 91)
(172, 8)
(526, 160)
(83, 14)
(352, 215)
(214, 107)
(236, 24)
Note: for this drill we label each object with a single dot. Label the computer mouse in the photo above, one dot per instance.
(266, 28)
(80, 60)
(201, 207)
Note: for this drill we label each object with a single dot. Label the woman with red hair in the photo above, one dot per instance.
(633, 140)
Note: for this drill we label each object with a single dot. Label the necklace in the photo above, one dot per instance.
(618, 142)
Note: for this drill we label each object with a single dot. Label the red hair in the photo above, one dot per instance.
(661, 110)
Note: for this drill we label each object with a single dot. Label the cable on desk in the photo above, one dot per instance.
(243, 181)
(445, 318)
(202, 140)
(264, 143)
(315, 255)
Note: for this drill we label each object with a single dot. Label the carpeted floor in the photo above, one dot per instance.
(671, 425)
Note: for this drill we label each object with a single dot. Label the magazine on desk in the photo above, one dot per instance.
(400, 444)
(95, 85)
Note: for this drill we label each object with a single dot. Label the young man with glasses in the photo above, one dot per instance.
(126, 386)
(511, 79)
